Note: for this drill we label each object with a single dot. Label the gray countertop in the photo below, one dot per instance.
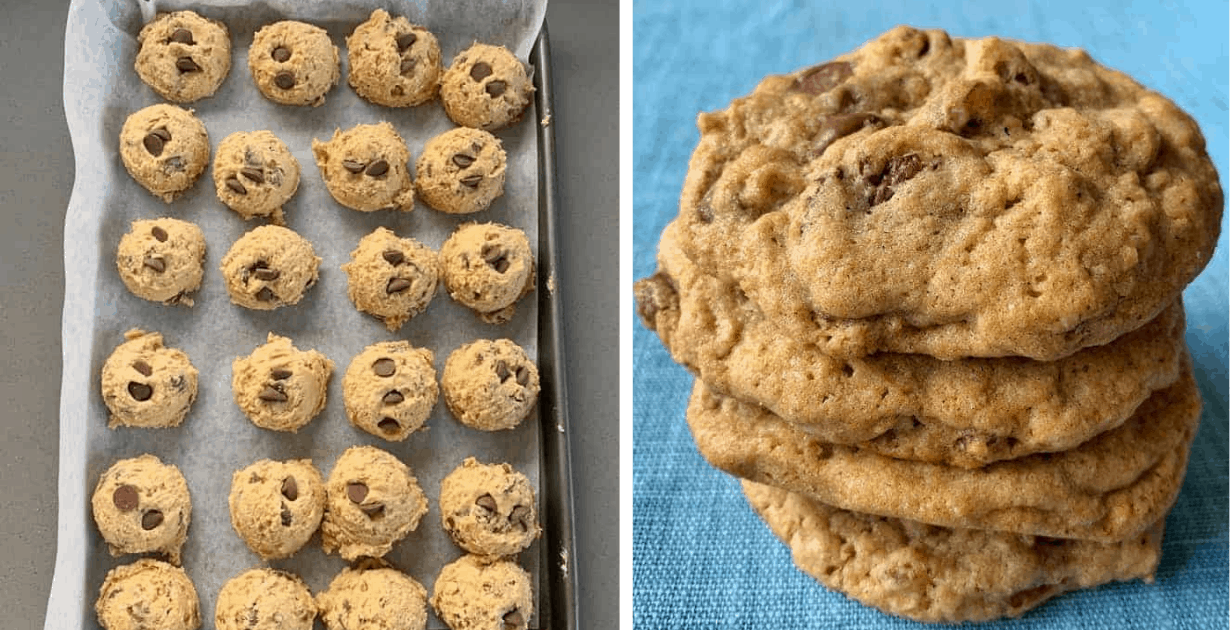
(36, 177)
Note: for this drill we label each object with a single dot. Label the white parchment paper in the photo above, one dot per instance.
(100, 91)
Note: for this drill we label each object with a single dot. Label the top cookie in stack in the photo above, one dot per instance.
(936, 281)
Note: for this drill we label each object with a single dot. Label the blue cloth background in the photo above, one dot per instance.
(701, 557)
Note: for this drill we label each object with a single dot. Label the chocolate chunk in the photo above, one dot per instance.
(898, 170)
(290, 488)
(654, 294)
(236, 186)
(480, 71)
(267, 275)
(265, 295)
(156, 263)
(151, 519)
(272, 394)
(280, 374)
(182, 36)
(487, 502)
(186, 64)
(839, 126)
(472, 181)
(523, 376)
(521, 516)
(824, 77)
(140, 391)
(462, 160)
(284, 80)
(153, 143)
(393, 256)
(126, 498)
(377, 168)
(372, 511)
(407, 66)
(281, 54)
(384, 367)
(356, 491)
(253, 174)
(495, 88)
(159, 234)
(393, 397)
(286, 516)
(501, 370)
(388, 425)
(162, 134)
(513, 620)
(397, 285)
(495, 257)
(353, 166)
(142, 367)
(405, 41)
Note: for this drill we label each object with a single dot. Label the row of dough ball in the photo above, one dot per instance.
(389, 389)
(366, 167)
(486, 267)
(185, 57)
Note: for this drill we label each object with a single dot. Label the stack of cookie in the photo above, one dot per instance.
(931, 295)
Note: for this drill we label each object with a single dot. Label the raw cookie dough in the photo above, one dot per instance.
(392, 278)
(268, 267)
(461, 171)
(277, 506)
(393, 62)
(280, 387)
(142, 505)
(146, 384)
(264, 599)
(390, 389)
(488, 267)
(365, 168)
(148, 594)
(162, 260)
(183, 56)
(474, 593)
(373, 595)
(165, 148)
(486, 87)
(490, 385)
(488, 509)
(255, 173)
(294, 63)
(373, 501)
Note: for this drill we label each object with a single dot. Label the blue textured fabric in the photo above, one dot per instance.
(701, 557)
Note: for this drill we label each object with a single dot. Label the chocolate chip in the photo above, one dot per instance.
(487, 502)
(151, 519)
(495, 88)
(140, 391)
(142, 367)
(286, 516)
(472, 181)
(267, 275)
(162, 134)
(270, 394)
(824, 77)
(898, 170)
(280, 374)
(521, 516)
(265, 294)
(393, 397)
(397, 285)
(290, 488)
(377, 168)
(407, 66)
(186, 64)
(153, 143)
(372, 511)
(839, 126)
(480, 71)
(513, 620)
(356, 491)
(523, 376)
(284, 80)
(236, 186)
(496, 257)
(253, 174)
(156, 263)
(281, 54)
(654, 294)
(393, 256)
(159, 234)
(353, 166)
(405, 41)
(384, 367)
(462, 160)
(182, 36)
(501, 370)
(388, 425)
(126, 498)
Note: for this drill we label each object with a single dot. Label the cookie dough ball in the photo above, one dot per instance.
(165, 148)
(486, 87)
(390, 389)
(488, 267)
(280, 387)
(365, 168)
(148, 594)
(490, 385)
(268, 267)
(294, 63)
(392, 278)
(146, 384)
(393, 62)
(142, 505)
(183, 56)
(264, 599)
(373, 595)
(255, 173)
(277, 506)
(473, 592)
(162, 260)
(488, 509)
(461, 171)
(373, 501)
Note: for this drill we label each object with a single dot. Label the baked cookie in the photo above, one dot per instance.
(165, 148)
(142, 505)
(486, 87)
(392, 278)
(1108, 489)
(390, 389)
(294, 63)
(488, 509)
(162, 260)
(461, 171)
(146, 384)
(183, 56)
(269, 267)
(373, 501)
(277, 506)
(937, 574)
(365, 168)
(473, 592)
(264, 598)
(148, 594)
(255, 173)
(488, 267)
(967, 412)
(373, 594)
(952, 197)
(280, 387)
(490, 384)
(393, 62)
